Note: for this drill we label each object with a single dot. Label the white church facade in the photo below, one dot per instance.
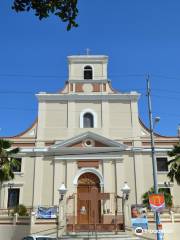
(89, 137)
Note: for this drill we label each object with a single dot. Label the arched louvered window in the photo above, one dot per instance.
(88, 120)
(88, 72)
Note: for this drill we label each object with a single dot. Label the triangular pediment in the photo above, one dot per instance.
(88, 139)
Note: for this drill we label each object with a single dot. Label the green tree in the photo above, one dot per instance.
(167, 197)
(65, 10)
(7, 161)
(174, 163)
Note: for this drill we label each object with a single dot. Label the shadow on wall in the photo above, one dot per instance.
(14, 232)
(17, 232)
(44, 229)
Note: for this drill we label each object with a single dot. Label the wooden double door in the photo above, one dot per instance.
(88, 199)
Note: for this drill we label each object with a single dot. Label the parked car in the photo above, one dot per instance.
(38, 237)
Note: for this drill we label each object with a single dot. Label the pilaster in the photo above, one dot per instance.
(41, 120)
(105, 117)
(71, 172)
(119, 164)
(38, 181)
(109, 185)
(139, 176)
(59, 177)
(71, 118)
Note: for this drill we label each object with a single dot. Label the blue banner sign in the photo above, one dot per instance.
(47, 213)
(139, 222)
(139, 216)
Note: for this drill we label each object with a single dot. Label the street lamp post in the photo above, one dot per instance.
(125, 195)
(61, 221)
(157, 217)
(125, 190)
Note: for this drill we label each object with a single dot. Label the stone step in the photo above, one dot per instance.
(100, 236)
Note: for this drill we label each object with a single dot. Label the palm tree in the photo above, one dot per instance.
(174, 172)
(7, 161)
(167, 197)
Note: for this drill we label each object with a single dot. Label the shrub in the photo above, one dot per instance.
(21, 210)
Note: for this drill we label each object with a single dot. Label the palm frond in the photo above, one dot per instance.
(4, 144)
(13, 151)
(7, 161)
(177, 175)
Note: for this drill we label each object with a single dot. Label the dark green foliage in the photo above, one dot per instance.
(145, 197)
(7, 161)
(66, 10)
(4, 144)
(174, 163)
(167, 196)
(21, 210)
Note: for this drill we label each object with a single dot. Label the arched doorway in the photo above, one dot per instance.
(88, 203)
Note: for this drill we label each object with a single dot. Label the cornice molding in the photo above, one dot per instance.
(88, 81)
(86, 153)
(103, 158)
(13, 184)
(74, 151)
(87, 58)
(133, 96)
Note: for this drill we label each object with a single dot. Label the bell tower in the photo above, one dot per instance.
(87, 73)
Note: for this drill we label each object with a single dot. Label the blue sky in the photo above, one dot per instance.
(138, 36)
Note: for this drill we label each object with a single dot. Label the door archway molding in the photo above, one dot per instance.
(88, 170)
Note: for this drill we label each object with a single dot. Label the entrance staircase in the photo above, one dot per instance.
(100, 236)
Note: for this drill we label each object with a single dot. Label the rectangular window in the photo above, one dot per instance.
(18, 167)
(13, 197)
(162, 164)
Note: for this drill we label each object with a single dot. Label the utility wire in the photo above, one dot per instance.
(165, 90)
(66, 76)
(120, 91)
(166, 96)
(167, 115)
(164, 76)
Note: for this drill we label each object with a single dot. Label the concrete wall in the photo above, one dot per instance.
(13, 232)
(61, 120)
(17, 232)
(24, 181)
